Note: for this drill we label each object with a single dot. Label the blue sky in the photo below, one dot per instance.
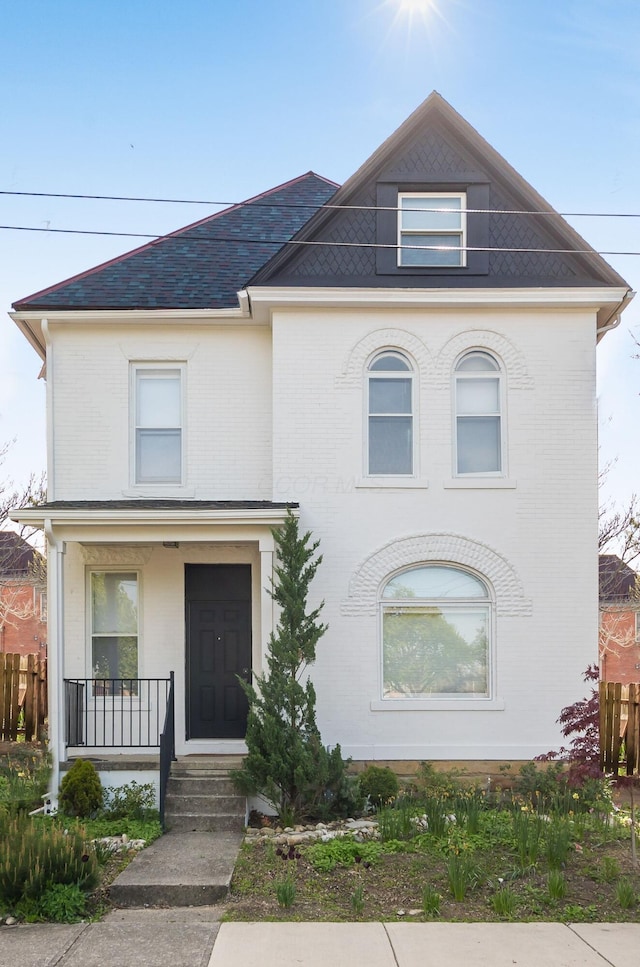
(209, 99)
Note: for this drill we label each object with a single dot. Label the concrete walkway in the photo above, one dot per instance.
(179, 870)
(192, 937)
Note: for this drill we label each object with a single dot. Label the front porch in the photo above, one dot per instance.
(138, 587)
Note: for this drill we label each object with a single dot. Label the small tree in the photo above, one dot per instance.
(286, 761)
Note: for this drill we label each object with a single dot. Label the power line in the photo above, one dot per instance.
(313, 207)
(318, 243)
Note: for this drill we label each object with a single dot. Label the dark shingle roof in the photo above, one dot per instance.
(618, 581)
(16, 555)
(201, 266)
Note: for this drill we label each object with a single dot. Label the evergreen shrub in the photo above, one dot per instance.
(81, 792)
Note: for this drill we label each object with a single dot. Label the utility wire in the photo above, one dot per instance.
(312, 207)
(318, 243)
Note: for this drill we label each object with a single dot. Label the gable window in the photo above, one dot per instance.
(431, 229)
(158, 425)
(436, 629)
(390, 415)
(478, 418)
(114, 627)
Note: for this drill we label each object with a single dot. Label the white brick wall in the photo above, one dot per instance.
(227, 420)
(534, 541)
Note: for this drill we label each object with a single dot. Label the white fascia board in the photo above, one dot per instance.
(265, 299)
(116, 517)
(31, 320)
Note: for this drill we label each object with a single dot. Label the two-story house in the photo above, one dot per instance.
(408, 361)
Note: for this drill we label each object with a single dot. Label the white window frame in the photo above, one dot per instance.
(409, 373)
(498, 374)
(440, 700)
(433, 199)
(138, 370)
(638, 626)
(120, 569)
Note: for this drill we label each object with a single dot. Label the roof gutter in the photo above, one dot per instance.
(613, 320)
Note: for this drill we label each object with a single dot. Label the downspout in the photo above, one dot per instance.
(48, 368)
(55, 660)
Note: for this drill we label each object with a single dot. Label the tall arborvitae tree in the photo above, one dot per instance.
(287, 762)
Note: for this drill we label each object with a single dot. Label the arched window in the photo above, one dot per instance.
(478, 415)
(436, 631)
(390, 414)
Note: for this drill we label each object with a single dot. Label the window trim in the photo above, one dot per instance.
(464, 701)
(149, 366)
(461, 232)
(373, 478)
(498, 374)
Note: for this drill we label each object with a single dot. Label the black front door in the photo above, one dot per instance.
(218, 604)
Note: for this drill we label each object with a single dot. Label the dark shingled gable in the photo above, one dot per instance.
(201, 266)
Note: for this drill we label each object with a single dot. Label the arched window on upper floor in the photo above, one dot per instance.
(436, 634)
(478, 401)
(390, 409)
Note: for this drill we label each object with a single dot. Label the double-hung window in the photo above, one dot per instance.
(436, 631)
(478, 415)
(158, 424)
(390, 415)
(432, 229)
(114, 628)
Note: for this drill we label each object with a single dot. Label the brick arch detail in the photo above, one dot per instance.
(512, 358)
(381, 339)
(364, 587)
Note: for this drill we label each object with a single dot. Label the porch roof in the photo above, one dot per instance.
(149, 511)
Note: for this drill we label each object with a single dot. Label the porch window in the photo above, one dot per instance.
(114, 629)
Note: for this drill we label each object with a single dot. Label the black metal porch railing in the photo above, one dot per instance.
(116, 713)
(167, 747)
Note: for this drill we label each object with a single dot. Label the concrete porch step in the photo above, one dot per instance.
(205, 804)
(187, 822)
(205, 784)
(207, 763)
(180, 869)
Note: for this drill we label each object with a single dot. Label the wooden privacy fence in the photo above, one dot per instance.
(23, 697)
(620, 728)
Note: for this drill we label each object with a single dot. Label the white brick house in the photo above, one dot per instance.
(415, 375)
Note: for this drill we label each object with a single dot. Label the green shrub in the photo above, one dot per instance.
(131, 801)
(379, 785)
(446, 784)
(81, 792)
(324, 857)
(34, 854)
(62, 903)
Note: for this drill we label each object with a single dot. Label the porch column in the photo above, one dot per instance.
(55, 654)
(266, 601)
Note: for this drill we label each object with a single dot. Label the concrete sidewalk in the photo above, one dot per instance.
(426, 945)
(192, 937)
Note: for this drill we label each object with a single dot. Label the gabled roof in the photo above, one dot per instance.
(201, 266)
(617, 581)
(436, 147)
(17, 556)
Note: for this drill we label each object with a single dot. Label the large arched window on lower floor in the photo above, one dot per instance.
(436, 634)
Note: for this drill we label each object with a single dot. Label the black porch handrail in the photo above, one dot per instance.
(167, 746)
